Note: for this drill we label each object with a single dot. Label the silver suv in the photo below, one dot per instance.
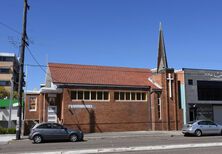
(53, 131)
(201, 127)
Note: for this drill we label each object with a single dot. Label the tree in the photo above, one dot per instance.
(4, 93)
(15, 95)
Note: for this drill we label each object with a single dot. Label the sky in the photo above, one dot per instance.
(113, 33)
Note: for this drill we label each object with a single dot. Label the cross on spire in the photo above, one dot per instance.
(162, 59)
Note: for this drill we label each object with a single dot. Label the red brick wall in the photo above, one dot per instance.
(171, 114)
(107, 116)
(180, 76)
(32, 115)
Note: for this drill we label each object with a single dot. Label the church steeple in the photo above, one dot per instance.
(162, 59)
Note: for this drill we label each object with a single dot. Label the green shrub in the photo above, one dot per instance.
(7, 130)
(11, 131)
(3, 130)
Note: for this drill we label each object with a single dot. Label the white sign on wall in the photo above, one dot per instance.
(79, 106)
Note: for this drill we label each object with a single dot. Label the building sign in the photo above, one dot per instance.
(79, 106)
(217, 75)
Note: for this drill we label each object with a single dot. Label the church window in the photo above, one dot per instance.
(99, 95)
(93, 95)
(127, 96)
(130, 96)
(159, 107)
(179, 95)
(86, 95)
(89, 95)
(133, 96)
(106, 95)
(143, 96)
(74, 95)
(32, 103)
(122, 96)
(138, 96)
(80, 95)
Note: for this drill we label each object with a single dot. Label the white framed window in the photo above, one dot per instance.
(32, 103)
(130, 96)
(90, 95)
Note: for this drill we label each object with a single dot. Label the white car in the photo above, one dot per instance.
(201, 127)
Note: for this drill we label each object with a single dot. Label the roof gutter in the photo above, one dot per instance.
(62, 85)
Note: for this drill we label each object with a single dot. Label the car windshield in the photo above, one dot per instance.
(35, 125)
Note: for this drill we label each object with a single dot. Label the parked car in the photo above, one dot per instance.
(201, 127)
(53, 131)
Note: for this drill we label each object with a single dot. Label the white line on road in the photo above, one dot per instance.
(140, 148)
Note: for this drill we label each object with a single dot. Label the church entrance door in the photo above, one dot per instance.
(52, 113)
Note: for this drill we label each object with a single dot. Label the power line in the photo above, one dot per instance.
(10, 28)
(33, 65)
(39, 65)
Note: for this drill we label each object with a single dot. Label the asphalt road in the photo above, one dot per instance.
(207, 150)
(118, 142)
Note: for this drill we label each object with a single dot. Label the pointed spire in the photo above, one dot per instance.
(160, 28)
(162, 59)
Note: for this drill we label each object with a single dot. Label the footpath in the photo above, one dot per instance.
(4, 139)
(132, 134)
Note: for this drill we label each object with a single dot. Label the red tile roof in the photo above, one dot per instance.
(100, 75)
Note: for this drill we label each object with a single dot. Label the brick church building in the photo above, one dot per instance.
(102, 99)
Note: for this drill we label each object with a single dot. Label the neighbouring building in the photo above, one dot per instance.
(9, 70)
(201, 94)
(5, 112)
(101, 98)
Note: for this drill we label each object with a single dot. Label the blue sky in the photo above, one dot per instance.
(114, 33)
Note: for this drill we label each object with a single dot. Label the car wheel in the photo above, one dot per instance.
(198, 133)
(186, 134)
(73, 138)
(37, 139)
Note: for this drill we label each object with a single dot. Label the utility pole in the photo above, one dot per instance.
(21, 72)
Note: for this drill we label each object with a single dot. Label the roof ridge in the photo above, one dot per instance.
(99, 67)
